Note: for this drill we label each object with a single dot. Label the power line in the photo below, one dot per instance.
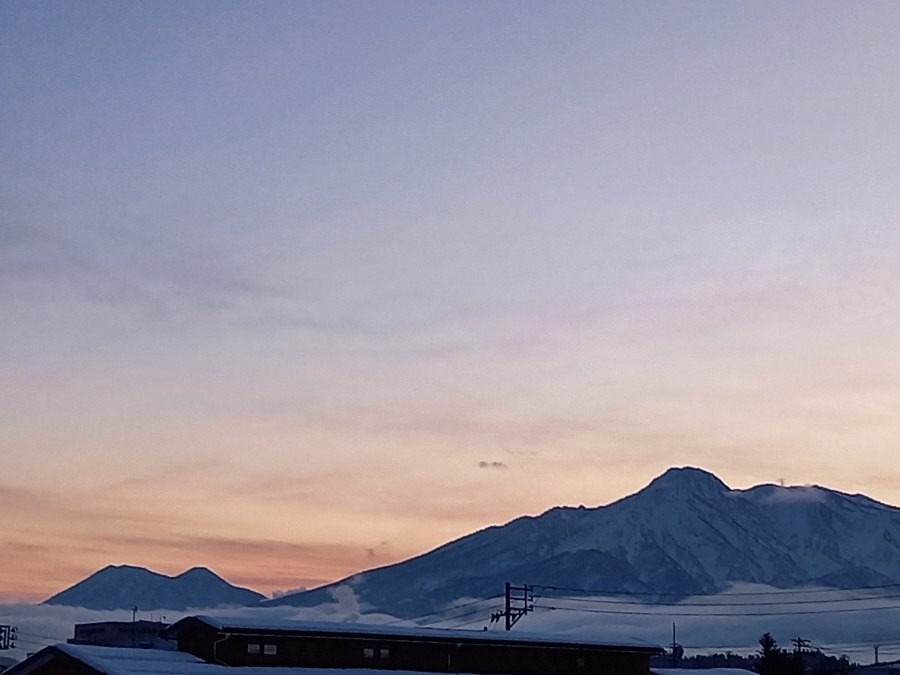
(721, 614)
(44, 637)
(831, 646)
(445, 614)
(454, 618)
(889, 642)
(31, 646)
(447, 610)
(779, 591)
(767, 603)
(435, 613)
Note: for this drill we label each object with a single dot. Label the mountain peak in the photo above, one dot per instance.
(199, 572)
(688, 480)
(122, 571)
(687, 533)
(127, 586)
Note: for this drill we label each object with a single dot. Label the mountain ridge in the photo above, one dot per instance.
(127, 586)
(685, 533)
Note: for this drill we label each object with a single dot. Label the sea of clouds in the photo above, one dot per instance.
(848, 623)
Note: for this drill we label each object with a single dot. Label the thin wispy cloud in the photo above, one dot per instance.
(321, 273)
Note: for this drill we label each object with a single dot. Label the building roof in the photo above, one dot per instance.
(120, 660)
(139, 622)
(126, 661)
(286, 626)
(702, 671)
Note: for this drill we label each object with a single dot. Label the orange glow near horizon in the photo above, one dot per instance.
(290, 290)
(170, 541)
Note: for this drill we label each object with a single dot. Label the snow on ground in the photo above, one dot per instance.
(124, 661)
(705, 671)
(852, 625)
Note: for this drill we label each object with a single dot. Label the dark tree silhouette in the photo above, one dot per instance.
(768, 646)
(775, 661)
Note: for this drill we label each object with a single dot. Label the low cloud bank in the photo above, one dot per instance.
(43, 625)
(849, 624)
(837, 622)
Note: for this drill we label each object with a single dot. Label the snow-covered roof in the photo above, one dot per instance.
(441, 634)
(115, 660)
(701, 671)
(126, 661)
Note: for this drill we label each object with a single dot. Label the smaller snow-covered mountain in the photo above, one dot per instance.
(126, 586)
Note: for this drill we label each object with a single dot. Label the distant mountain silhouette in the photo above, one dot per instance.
(126, 586)
(685, 533)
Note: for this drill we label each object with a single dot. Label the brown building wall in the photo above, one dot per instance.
(200, 641)
(391, 653)
(121, 634)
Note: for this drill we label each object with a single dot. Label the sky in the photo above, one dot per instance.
(292, 290)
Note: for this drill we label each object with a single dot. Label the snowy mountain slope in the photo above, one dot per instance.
(685, 533)
(125, 586)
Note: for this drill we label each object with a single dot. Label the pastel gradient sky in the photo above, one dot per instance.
(295, 289)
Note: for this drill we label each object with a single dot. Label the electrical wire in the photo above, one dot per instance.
(33, 643)
(454, 618)
(447, 610)
(887, 642)
(445, 614)
(43, 637)
(721, 614)
(779, 591)
(767, 603)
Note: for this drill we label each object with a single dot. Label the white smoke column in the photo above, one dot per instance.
(347, 603)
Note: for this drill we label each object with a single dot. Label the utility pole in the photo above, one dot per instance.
(800, 644)
(8, 636)
(674, 644)
(519, 600)
(677, 651)
(134, 626)
(876, 654)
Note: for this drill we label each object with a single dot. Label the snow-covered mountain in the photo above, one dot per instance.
(685, 533)
(125, 586)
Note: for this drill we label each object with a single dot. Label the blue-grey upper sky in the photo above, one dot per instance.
(306, 287)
